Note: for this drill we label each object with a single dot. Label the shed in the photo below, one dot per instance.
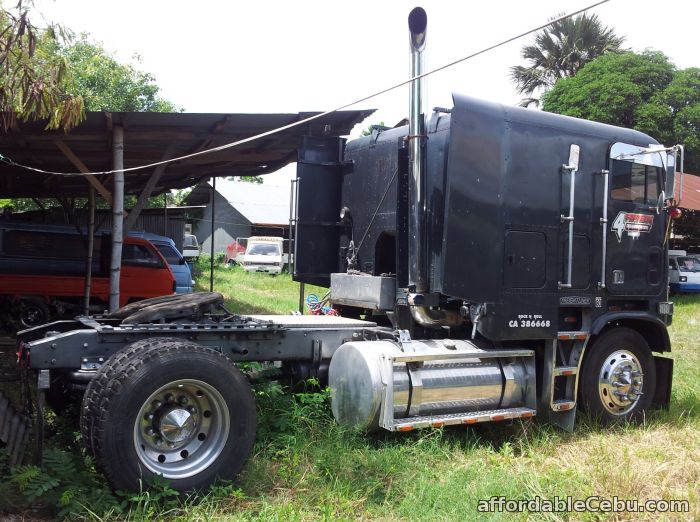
(241, 210)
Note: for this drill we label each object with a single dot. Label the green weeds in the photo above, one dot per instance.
(306, 467)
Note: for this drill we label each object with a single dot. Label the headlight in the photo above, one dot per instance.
(683, 279)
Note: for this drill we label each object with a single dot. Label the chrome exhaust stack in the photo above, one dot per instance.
(417, 281)
(417, 252)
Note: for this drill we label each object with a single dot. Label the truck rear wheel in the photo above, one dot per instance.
(96, 389)
(618, 377)
(174, 409)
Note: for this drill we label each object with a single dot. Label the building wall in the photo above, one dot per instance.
(228, 225)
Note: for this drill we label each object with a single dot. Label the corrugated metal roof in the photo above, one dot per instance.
(260, 203)
(146, 138)
(691, 191)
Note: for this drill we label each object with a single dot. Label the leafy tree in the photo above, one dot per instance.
(107, 85)
(640, 91)
(33, 79)
(372, 127)
(258, 180)
(559, 51)
(101, 83)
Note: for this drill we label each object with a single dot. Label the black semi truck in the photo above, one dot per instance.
(488, 263)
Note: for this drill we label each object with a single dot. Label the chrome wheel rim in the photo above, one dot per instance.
(620, 382)
(181, 428)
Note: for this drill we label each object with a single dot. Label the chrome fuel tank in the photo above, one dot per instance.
(433, 378)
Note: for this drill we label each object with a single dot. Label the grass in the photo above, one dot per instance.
(305, 467)
(254, 292)
(317, 470)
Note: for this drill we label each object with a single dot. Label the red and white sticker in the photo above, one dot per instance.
(631, 223)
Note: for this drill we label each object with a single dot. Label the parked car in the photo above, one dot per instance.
(184, 284)
(684, 272)
(264, 254)
(42, 272)
(190, 247)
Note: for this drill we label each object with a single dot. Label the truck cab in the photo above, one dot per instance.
(264, 254)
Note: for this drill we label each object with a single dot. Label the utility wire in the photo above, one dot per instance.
(310, 118)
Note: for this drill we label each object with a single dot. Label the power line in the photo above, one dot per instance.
(310, 118)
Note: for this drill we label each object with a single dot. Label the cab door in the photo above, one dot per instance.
(635, 263)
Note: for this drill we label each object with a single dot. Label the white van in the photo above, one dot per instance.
(683, 272)
(264, 254)
(190, 248)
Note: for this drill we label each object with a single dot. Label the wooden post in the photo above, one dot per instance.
(68, 153)
(117, 216)
(90, 248)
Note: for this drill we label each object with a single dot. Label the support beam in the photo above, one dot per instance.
(75, 160)
(148, 190)
(117, 216)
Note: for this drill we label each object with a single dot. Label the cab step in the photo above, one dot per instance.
(437, 421)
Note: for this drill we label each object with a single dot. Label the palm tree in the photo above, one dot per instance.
(559, 51)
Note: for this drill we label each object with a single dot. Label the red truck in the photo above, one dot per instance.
(42, 272)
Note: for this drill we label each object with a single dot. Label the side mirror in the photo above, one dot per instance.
(670, 176)
(574, 153)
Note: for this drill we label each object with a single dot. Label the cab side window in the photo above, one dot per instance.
(634, 182)
(170, 254)
(139, 255)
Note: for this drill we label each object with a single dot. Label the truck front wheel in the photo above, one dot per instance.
(174, 409)
(618, 377)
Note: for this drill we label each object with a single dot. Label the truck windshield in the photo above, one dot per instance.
(689, 264)
(263, 249)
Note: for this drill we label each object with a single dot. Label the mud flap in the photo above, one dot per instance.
(664, 378)
(14, 430)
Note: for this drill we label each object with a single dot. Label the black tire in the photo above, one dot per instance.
(96, 387)
(609, 390)
(31, 311)
(135, 420)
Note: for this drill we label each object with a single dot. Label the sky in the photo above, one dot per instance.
(281, 56)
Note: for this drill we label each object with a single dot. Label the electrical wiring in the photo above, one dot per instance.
(304, 121)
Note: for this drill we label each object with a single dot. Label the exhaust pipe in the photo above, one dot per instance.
(417, 25)
(417, 259)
